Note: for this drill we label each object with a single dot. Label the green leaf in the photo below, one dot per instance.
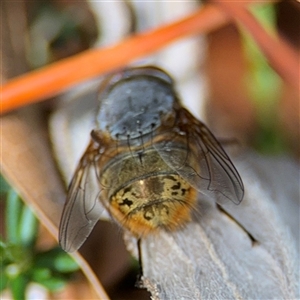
(3, 280)
(17, 255)
(12, 215)
(46, 259)
(53, 283)
(28, 227)
(266, 14)
(18, 287)
(2, 252)
(13, 271)
(4, 186)
(264, 85)
(57, 260)
(64, 263)
(41, 274)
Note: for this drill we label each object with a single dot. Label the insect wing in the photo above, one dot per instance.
(202, 162)
(82, 209)
(225, 180)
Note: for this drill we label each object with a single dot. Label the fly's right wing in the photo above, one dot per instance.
(82, 209)
(196, 155)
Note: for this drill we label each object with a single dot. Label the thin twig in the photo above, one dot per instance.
(281, 56)
(59, 76)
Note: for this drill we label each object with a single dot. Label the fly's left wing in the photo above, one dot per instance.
(82, 209)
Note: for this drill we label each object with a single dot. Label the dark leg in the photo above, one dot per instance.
(139, 282)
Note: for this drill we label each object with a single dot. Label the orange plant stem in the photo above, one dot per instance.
(281, 56)
(52, 79)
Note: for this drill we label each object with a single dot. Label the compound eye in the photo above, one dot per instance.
(149, 71)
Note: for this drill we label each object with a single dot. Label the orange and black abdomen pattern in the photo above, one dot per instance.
(150, 197)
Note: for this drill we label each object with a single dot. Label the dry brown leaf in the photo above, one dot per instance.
(27, 163)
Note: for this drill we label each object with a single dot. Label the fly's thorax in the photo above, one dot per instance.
(132, 108)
